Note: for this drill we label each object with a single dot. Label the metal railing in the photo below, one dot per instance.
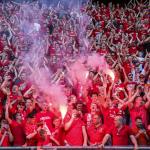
(77, 148)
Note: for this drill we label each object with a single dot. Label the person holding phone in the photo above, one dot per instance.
(140, 132)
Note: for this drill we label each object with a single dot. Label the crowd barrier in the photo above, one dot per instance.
(75, 148)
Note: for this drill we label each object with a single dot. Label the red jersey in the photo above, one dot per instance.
(96, 135)
(44, 142)
(140, 111)
(87, 118)
(120, 137)
(5, 142)
(109, 114)
(58, 134)
(132, 50)
(29, 128)
(141, 140)
(130, 85)
(47, 117)
(74, 136)
(18, 133)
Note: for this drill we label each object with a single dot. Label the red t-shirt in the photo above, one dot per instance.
(18, 133)
(5, 142)
(87, 118)
(29, 128)
(109, 114)
(140, 111)
(125, 25)
(127, 66)
(130, 85)
(102, 51)
(141, 140)
(96, 135)
(120, 137)
(121, 93)
(44, 142)
(51, 51)
(132, 50)
(47, 117)
(74, 136)
(88, 104)
(15, 97)
(95, 32)
(58, 134)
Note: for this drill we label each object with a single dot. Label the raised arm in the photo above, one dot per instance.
(68, 124)
(11, 138)
(131, 99)
(109, 91)
(147, 94)
(3, 87)
(6, 111)
(124, 73)
(31, 135)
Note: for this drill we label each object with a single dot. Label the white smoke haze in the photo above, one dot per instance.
(33, 60)
(78, 71)
(96, 61)
(30, 25)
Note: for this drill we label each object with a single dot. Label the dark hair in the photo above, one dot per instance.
(141, 125)
(54, 118)
(32, 114)
(21, 103)
(138, 117)
(42, 131)
(79, 102)
(102, 118)
(94, 93)
(4, 121)
(74, 106)
(14, 116)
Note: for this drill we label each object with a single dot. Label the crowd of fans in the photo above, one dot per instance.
(110, 112)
